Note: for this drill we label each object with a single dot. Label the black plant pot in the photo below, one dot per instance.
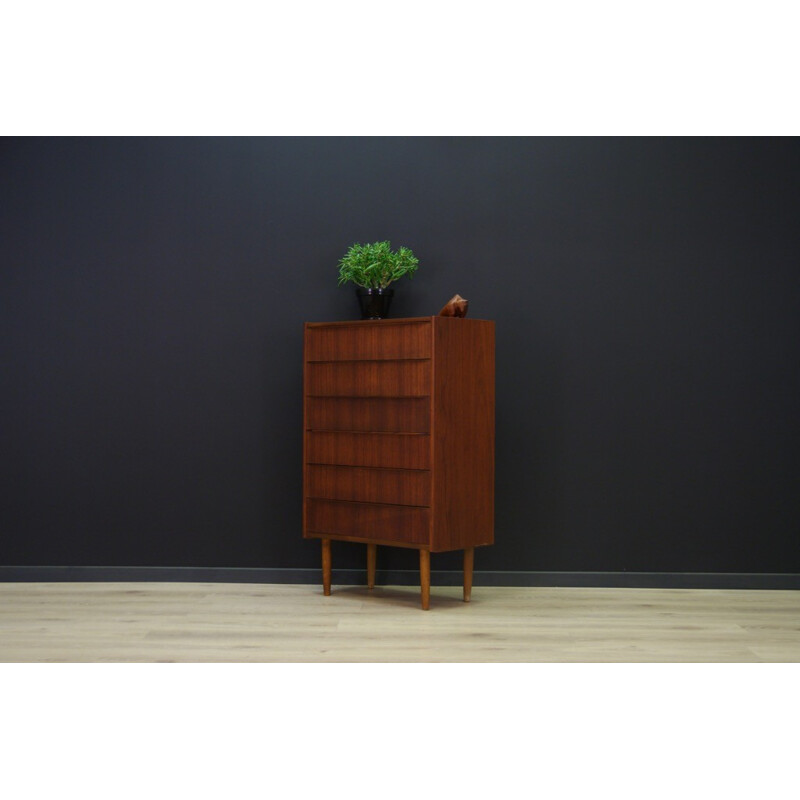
(374, 302)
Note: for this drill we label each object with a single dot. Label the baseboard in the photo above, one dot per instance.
(345, 577)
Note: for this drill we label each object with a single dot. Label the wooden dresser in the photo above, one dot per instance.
(398, 445)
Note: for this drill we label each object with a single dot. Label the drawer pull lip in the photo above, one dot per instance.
(367, 433)
(372, 396)
(364, 466)
(341, 537)
(363, 502)
(364, 360)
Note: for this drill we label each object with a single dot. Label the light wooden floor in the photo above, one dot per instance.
(212, 622)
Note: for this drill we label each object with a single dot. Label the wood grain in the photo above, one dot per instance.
(363, 484)
(398, 450)
(463, 433)
(408, 524)
(398, 442)
(372, 557)
(380, 414)
(326, 567)
(371, 539)
(469, 561)
(263, 623)
(425, 578)
(368, 339)
(369, 378)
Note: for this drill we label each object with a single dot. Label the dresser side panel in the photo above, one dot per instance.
(305, 426)
(463, 433)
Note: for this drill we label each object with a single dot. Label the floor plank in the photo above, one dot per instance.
(212, 622)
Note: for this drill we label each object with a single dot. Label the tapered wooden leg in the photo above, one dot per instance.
(326, 567)
(425, 577)
(372, 552)
(469, 560)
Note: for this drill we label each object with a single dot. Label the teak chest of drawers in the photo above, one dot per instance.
(398, 445)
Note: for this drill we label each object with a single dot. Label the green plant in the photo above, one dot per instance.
(375, 266)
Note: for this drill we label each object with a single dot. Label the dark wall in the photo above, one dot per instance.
(647, 299)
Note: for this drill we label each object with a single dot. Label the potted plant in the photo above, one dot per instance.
(372, 267)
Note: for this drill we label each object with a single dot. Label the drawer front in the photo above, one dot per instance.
(369, 378)
(371, 339)
(363, 520)
(405, 487)
(398, 450)
(389, 414)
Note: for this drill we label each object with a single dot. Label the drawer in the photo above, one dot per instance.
(407, 487)
(368, 340)
(369, 378)
(393, 414)
(369, 521)
(398, 450)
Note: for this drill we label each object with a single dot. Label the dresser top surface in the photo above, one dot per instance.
(398, 321)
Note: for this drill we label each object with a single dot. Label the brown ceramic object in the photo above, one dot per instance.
(456, 307)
